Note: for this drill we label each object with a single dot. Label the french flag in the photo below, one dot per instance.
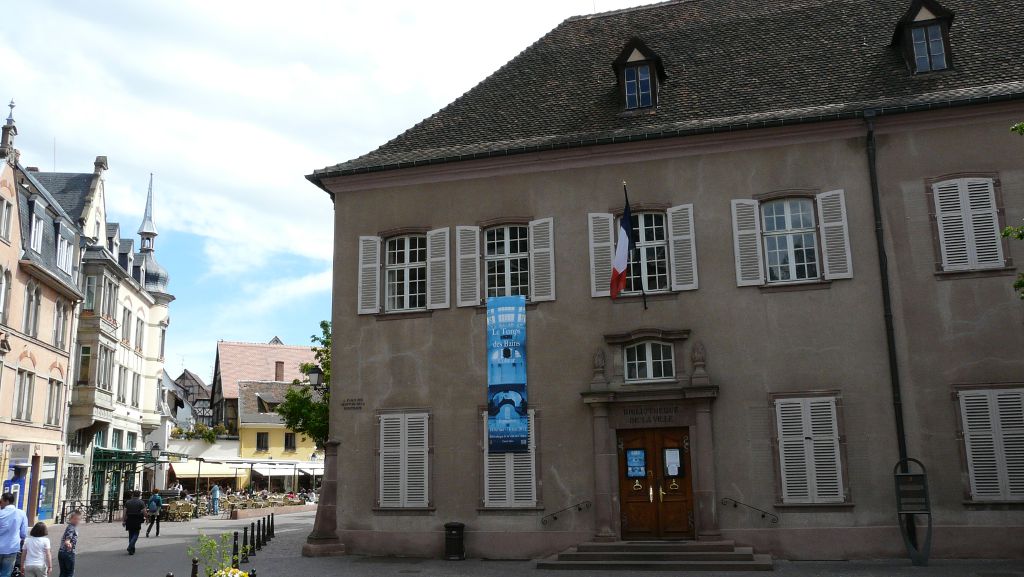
(620, 265)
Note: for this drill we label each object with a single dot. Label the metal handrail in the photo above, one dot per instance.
(581, 506)
(772, 517)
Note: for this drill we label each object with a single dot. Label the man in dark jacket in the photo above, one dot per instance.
(134, 517)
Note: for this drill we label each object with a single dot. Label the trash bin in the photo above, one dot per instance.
(454, 541)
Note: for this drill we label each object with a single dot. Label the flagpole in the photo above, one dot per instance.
(632, 248)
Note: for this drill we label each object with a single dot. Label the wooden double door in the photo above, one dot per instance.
(655, 488)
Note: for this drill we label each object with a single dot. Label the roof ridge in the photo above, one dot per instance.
(625, 10)
(263, 344)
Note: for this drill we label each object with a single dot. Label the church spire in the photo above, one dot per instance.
(147, 230)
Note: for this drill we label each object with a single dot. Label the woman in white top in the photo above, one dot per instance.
(35, 554)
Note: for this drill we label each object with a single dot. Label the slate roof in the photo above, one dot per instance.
(730, 64)
(71, 189)
(238, 362)
(249, 393)
(47, 260)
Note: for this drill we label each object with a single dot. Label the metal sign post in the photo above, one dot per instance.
(912, 500)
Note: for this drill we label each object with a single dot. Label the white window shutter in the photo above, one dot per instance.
(417, 473)
(1010, 407)
(980, 200)
(438, 250)
(835, 235)
(746, 242)
(602, 250)
(824, 450)
(496, 493)
(510, 479)
(994, 441)
(682, 247)
(390, 456)
(542, 260)
(793, 463)
(369, 275)
(949, 217)
(467, 265)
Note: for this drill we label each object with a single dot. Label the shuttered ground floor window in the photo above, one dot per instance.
(510, 479)
(809, 449)
(404, 460)
(993, 433)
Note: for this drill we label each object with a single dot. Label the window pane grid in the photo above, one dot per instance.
(507, 261)
(929, 48)
(406, 273)
(790, 240)
(639, 93)
(648, 263)
(649, 361)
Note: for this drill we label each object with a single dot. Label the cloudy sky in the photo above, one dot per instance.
(229, 104)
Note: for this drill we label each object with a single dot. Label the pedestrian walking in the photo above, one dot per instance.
(215, 498)
(13, 530)
(36, 560)
(69, 546)
(154, 507)
(134, 517)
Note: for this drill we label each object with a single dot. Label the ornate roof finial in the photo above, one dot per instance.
(10, 115)
(147, 228)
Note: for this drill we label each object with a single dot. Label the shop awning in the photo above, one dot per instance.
(275, 471)
(207, 470)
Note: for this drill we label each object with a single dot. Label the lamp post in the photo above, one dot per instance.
(316, 376)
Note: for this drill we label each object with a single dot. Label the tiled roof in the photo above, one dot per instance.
(249, 393)
(71, 189)
(238, 362)
(729, 64)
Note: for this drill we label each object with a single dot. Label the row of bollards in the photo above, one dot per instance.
(261, 531)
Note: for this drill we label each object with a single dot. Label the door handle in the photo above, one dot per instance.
(661, 494)
(650, 492)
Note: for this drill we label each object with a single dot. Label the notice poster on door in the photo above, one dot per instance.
(508, 423)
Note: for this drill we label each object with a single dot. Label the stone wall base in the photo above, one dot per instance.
(842, 543)
(479, 544)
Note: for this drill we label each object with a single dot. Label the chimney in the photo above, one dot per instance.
(279, 371)
(99, 165)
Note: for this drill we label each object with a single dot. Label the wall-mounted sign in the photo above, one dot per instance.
(20, 453)
(508, 423)
(636, 463)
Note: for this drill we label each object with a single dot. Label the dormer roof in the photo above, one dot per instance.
(920, 11)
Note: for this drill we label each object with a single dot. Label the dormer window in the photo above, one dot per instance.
(638, 86)
(638, 71)
(923, 35)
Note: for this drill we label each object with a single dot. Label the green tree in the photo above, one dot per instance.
(1017, 232)
(306, 408)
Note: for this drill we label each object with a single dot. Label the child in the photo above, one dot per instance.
(69, 546)
(35, 554)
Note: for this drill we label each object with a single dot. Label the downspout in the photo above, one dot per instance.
(883, 274)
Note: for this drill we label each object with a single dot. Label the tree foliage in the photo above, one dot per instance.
(306, 408)
(1017, 232)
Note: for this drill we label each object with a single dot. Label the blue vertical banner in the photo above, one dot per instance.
(508, 423)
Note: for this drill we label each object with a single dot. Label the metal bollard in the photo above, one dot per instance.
(245, 544)
(254, 547)
(234, 551)
(195, 567)
(252, 573)
(272, 525)
(170, 575)
(259, 536)
(266, 530)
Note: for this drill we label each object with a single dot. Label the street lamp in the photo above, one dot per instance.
(316, 376)
(154, 451)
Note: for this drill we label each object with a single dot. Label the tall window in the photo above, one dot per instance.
(993, 425)
(639, 88)
(116, 439)
(5, 294)
(649, 361)
(510, 479)
(76, 442)
(61, 313)
(54, 402)
(130, 441)
(136, 387)
(262, 441)
(140, 330)
(90, 293)
(648, 263)
(809, 450)
(289, 441)
(100, 438)
(33, 298)
(122, 384)
(403, 461)
(84, 364)
(105, 376)
(929, 48)
(507, 260)
(163, 341)
(24, 390)
(110, 299)
(406, 270)
(65, 253)
(37, 233)
(790, 239)
(6, 210)
(126, 325)
(967, 218)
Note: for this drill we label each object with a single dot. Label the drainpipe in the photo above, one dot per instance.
(883, 273)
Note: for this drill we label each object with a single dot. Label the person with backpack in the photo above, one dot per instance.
(153, 508)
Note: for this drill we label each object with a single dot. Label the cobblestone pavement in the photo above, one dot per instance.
(102, 554)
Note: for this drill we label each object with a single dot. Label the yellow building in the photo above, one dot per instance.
(284, 459)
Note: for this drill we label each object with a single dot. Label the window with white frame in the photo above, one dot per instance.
(649, 361)
(510, 479)
(5, 294)
(61, 312)
(122, 384)
(639, 86)
(54, 402)
(100, 438)
(126, 325)
(507, 261)
(24, 390)
(90, 293)
(136, 387)
(967, 221)
(65, 254)
(117, 439)
(110, 299)
(929, 48)
(140, 330)
(405, 270)
(403, 460)
(37, 233)
(791, 239)
(131, 440)
(33, 302)
(993, 433)
(808, 440)
(648, 261)
(6, 218)
(84, 364)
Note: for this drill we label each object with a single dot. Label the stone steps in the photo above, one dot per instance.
(659, 556)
